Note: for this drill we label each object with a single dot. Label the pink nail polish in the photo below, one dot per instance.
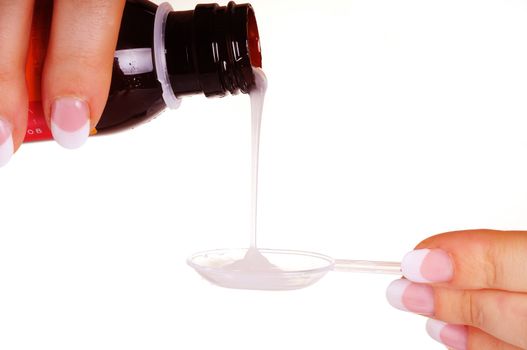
(453, 336)
(407, 296)
(7, 147)
(428, 266)
(70, 122)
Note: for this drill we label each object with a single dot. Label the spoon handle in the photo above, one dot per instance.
(362, 266)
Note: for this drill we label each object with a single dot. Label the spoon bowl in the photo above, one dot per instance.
(293, 269)
(282, 270)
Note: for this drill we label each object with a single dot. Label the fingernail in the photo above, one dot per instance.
(70, 122)
(428, 266)
(407, 296)
(452, 336)
(7, 147)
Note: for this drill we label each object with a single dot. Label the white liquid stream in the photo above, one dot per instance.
(254, 261)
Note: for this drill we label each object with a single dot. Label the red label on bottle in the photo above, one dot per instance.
(37, 128)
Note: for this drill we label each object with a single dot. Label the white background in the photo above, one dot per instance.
(386, 122)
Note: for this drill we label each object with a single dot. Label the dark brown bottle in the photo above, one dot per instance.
(210, 50)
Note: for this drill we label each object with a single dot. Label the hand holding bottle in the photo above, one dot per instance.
(111, 65)
(76, 72)
(473, 286)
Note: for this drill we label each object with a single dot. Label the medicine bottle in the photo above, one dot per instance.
(161, 56)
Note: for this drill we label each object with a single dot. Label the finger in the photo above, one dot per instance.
(458, 337)
(78, 68)
(500, 314)
(481, 259)
(15, 25)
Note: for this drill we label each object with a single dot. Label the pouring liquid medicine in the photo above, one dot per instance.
(270, 269)
(163, 55)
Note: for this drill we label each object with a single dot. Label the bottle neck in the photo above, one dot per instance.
(212, 50)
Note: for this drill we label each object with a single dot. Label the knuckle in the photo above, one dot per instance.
(491, 268)
(472, 312)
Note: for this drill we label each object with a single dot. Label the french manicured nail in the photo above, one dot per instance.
(407, 296)
(7, 147)
(70, 122)
(428, 266)
(452, 336)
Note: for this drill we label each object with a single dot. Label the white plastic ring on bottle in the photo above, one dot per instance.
(169, 97)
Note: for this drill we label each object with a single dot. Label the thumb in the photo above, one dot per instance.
(479, 259)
